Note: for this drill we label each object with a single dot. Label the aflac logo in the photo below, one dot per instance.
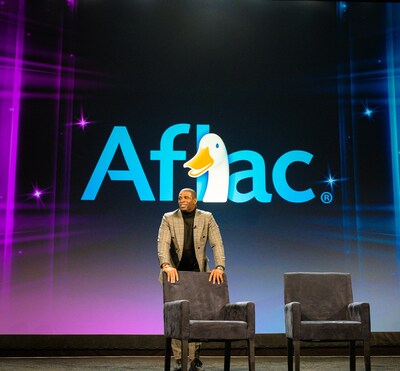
(210, 166)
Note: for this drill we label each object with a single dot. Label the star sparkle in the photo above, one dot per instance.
(331, 180)
(83, 122)
(38, 195)
(368, 112)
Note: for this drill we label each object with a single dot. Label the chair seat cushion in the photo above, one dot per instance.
(330, 330)
(218, 330)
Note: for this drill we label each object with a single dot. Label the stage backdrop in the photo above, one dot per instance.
(103, 102)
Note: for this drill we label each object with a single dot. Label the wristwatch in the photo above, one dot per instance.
(220, 267)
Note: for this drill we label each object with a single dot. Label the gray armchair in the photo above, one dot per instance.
(198, 310)
(319, 306)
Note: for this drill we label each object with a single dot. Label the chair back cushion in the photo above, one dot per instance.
(206, 299)
(323, 296)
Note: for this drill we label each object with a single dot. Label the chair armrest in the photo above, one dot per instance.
(176, 319)
(241, 311)
(360, 312)
(292, 320)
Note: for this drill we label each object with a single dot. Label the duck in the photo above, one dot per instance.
(211, 157)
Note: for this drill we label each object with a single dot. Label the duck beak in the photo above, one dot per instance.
(200, 163)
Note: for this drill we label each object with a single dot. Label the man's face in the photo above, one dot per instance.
(186, 201)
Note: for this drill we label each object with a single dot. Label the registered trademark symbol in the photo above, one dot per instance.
(326, 197)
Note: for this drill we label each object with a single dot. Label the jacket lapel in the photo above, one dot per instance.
(199, 224)
(179, 232)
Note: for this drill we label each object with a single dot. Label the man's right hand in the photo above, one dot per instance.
(172, 273)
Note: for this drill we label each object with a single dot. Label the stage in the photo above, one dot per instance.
(210, 363)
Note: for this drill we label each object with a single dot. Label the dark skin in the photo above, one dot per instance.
(187, 202)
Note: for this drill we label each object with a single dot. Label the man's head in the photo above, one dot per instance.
(187, 200)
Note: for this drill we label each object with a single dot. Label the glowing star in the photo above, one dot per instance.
(368, 112)
(37, 194)
(330, 180)
(83, 122)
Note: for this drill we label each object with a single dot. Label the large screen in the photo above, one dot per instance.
(102, 103)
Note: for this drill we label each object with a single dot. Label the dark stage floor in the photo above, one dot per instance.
(210, 363)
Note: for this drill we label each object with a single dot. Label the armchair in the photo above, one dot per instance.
(198, 310)
(319, 307)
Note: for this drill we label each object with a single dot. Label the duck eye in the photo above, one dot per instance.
(217, 145)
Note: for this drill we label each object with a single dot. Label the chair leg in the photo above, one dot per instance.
(352, 355)
(367, 355)
(289, 354)
(227, 358)
(167, 361)
(251, 354)
(184, 353)
(296, 345)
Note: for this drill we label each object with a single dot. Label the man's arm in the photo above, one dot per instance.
(164, 242)
(215, 240)
(163, 250)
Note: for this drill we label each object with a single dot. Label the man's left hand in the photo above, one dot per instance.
(217, 276)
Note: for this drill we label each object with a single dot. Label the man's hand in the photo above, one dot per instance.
(217, 275)
(172, 273)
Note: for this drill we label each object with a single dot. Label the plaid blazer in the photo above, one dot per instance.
(171, 234)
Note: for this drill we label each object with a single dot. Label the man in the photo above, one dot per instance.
(182, 240)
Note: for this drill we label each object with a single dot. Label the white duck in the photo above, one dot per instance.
(212, 157)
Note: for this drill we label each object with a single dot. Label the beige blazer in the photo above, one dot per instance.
(171, 234)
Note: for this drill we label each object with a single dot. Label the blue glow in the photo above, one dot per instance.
(368, 112)
(393, 53)
(331, 181)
